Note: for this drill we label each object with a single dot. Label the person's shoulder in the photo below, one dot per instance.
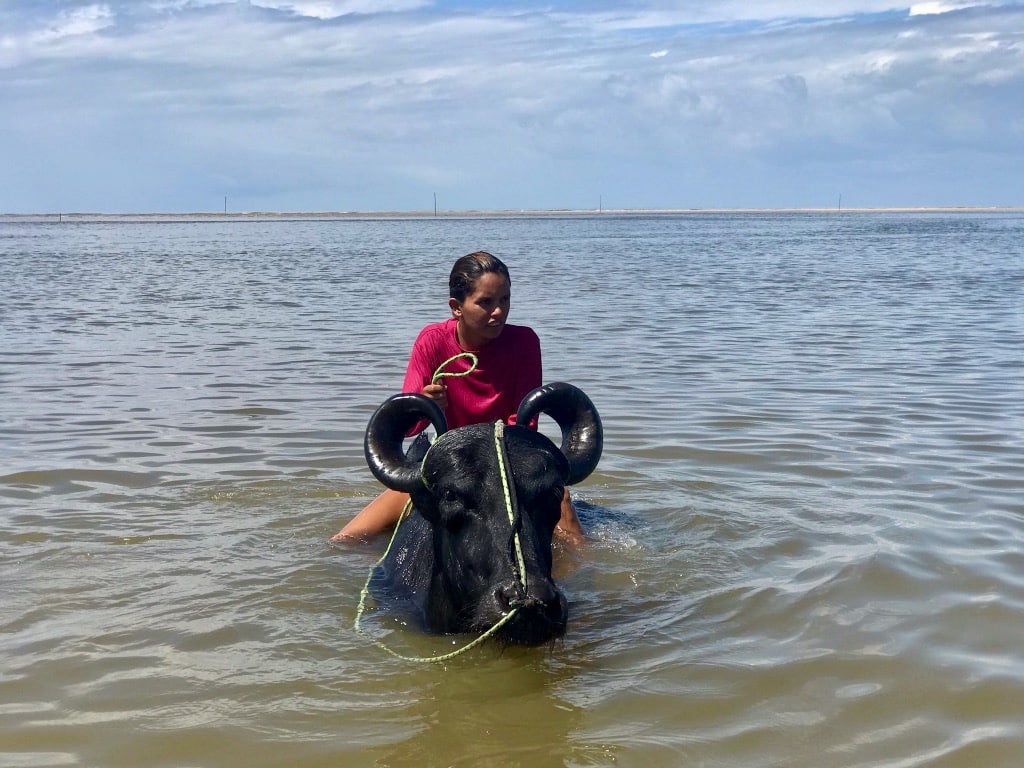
(436, 340)
(521, 336)
(437, 331)
(520, 331)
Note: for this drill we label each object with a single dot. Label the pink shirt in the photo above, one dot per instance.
(509, 369)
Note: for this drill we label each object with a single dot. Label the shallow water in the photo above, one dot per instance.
(807, 527)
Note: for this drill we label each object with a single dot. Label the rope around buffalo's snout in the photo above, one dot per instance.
(508, 490)
(420, 659)
(508, 487)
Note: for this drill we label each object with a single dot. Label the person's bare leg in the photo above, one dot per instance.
(378, 516)
(569, 524)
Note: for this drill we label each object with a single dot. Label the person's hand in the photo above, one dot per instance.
(438, 393)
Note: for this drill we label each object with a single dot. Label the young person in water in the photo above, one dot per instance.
(509, 367)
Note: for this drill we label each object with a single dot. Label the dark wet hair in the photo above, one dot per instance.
(471, 268)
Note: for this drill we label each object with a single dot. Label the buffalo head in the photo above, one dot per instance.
(455, 560)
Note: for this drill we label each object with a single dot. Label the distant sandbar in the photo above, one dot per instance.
(450, 214)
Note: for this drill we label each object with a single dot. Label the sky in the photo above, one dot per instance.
(388, 105)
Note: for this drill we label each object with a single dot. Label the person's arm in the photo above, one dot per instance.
(419, 373)
(384, 512)
(569, 527)
(529, 370)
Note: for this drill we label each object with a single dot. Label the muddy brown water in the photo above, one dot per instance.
(807, 529)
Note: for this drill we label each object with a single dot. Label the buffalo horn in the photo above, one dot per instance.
(582, 433)
(387, 429)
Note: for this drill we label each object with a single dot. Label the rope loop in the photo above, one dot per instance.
(441, 373)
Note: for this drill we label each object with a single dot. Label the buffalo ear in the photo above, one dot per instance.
(582, 433)
(388, 426)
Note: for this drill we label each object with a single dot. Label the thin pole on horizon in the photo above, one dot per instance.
(225, 203)
(600, 203)
(435, 203)
(840, 201)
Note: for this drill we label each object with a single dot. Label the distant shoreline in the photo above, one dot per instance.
(524, 213)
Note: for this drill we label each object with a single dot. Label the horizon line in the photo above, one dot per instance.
(497, 212)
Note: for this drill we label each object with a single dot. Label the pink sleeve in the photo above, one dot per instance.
(529, 373)
(418, 374)
(419, 371)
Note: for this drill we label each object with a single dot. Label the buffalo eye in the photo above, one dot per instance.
(453, 511)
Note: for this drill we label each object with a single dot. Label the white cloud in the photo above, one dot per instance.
(79, 21)
(333, 9)
(50, 34)
(935, 8)
(375, 104)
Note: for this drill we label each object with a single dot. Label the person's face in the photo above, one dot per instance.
(483, 314)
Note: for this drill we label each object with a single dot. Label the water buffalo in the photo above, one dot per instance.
(456, 562)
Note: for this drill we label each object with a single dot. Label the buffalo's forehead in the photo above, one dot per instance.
(470, 456)
(463, 452)
(533, 456)
(538, 467)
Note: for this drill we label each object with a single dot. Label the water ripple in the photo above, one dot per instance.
(807, 529)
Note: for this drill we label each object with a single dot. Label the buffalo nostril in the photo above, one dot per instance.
(550, 600)
(547, 594)
(542, 606)
(509, 596)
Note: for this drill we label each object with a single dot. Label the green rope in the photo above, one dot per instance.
(509, 491)
(441, 372)
(365, 592)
